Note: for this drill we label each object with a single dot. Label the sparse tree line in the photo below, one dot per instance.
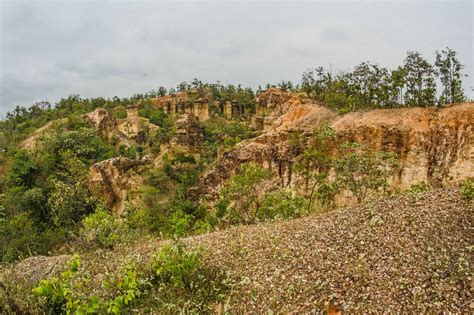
(372, 86)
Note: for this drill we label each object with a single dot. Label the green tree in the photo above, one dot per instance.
(315, 165)
(245, 190)
(23, 169)
(420, 80)
(449, 69)
(362, 171)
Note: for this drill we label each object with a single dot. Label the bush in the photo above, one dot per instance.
(467, 189)
(69, 202)
(281, 204)
(363, 171)
(418, 188)
(101, 228)
(18, 237)
(177, 266)
(57, 292)
(241, 190)
(119, 113)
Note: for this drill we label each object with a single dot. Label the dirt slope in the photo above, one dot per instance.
(408, 253)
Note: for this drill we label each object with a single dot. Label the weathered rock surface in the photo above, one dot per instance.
(272, 104)
(101, 120)
(114, 180)
(188, 132)
(435, 145)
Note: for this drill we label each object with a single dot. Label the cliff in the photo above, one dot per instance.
(434, 145)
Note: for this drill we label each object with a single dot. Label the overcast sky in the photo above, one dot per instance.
(106, 48)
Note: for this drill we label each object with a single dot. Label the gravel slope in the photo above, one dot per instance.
(405, 254)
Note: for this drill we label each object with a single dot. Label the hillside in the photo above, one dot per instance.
(405, 254)
(216, 200)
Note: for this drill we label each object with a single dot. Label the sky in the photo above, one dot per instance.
(51, 49)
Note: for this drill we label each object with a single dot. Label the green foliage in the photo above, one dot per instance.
(315, 164)
(161, 119)
(68, 201)
(418, 188)
(177, 266)
(467, 189)
(369, 85)
(281, 204)
(420, 81)
(23, 169)
(60, 294)
(219, 133)
(57, 293)
(185, 283)
(84, 144)
(129, 291)
(18, 237)
(119, 113)
(181, 223)
(244, 190)
(449, 69)
(363, 171)
(101, 228)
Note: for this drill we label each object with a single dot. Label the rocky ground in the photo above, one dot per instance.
(404, 254)
(411, 253)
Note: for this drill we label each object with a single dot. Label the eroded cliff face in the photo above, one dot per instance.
(434, 145)
(128, 131)
(115, 181)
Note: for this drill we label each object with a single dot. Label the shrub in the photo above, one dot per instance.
(18, 237)
(57, 292)
(129, 291)
(363, 171)
(177, 266)
(418, 188)
(281, 204)
(467, 189)
(241, 190)
(119, 113)
(101, 228)
(181, 223)
(68, 202)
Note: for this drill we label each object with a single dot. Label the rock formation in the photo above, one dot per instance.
(188, 133)
(114, 180)
(101, 120)
(434, 145)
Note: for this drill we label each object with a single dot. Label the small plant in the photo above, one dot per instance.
(58, 294)
(177, 266)
(100, 228)
(185, 284)
(129, 288)
(467, 189)
(418, 188)
(281, 204)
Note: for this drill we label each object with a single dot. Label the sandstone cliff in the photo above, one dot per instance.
(115, 180)
(434, 145)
